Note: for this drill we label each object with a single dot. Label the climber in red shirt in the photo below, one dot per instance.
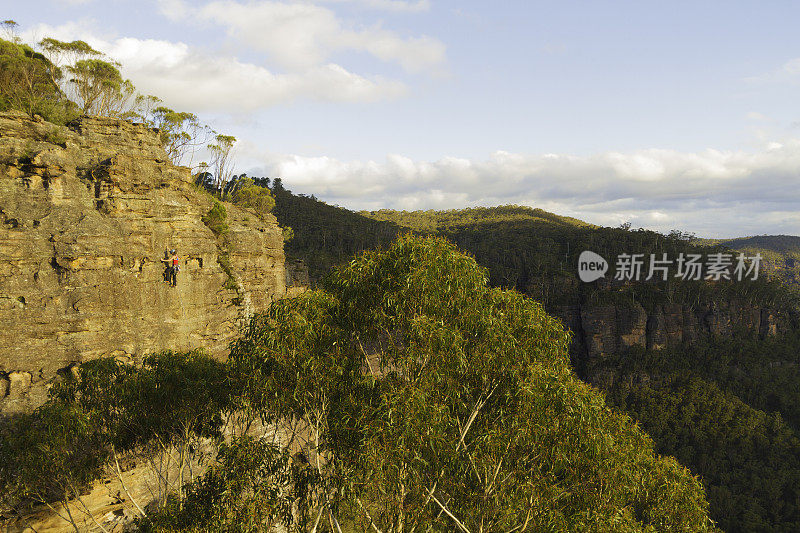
(173, 266)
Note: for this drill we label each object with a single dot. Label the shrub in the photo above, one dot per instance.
(216, 218)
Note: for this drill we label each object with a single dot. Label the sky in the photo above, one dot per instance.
(668, 115)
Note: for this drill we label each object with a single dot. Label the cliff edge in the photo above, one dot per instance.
(86, 213)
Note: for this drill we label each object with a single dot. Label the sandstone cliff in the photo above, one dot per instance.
(600, 330)
(86, 213)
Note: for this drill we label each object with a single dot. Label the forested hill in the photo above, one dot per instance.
(531, 250)
(537, 252)
(781, 254)
(776, 243)
(436, 221)
(325, 235)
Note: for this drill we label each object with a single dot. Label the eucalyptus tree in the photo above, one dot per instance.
(222, 158)
(49, 457)
(100, 89)
(26, 78)
(168, 413)
(246, 490)
(95, 84)
(245, 193)
(63, 54)
(10, 30)
(181, 133)
(423, 400)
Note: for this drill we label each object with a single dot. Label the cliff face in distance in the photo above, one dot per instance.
(601, 330)
(86, 214)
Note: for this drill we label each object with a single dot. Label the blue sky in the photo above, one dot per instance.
(678, 115)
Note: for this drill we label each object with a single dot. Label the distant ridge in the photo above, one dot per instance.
(780, 253)
(431, 220)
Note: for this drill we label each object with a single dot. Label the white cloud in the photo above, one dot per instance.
(300, 35)
(173, 9)
(191, 80)
(388, 5)
(792, 67)
(755, 115)
(188, 79)
(789, 72)
(714, 193)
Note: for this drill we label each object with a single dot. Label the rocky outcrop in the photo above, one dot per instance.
(86, 213)
(601, 330)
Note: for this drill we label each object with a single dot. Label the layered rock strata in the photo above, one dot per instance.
(86, 214)
(603, 330)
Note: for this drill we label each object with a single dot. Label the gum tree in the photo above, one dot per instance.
(423, 400)
(222, 159)
(99, 87)
(26, 78)
(181, 133)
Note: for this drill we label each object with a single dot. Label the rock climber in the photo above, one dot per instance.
(167, 265)
(173, 266)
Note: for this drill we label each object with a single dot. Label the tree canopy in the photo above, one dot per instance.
(28, 80)
(434, 402)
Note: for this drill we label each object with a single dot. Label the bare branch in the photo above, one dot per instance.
(461, 526)
(119, 476)
(358, 500)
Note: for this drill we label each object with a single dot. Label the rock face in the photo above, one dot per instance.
(297, 277)
(608, 329)
(86, 214)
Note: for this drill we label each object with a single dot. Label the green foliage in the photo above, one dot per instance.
(50, 454)
(35, 82)
(62, 55)
(436, 221)
(56, 48)
(180, 132)
(216, 218)
(180, 394)
(531, 250)
(728, 409)
(537, 253)
(56, 136)
(763, 373)
(246, 491)
(324, 235)
(224, 261)
(28, 154)
(250, 196)
(222, 158)
(172, 400)
(435, 399)
(100, 89)
(781, 255)
(171, 396)
(288, 233)
(27, 81)
(749, 461)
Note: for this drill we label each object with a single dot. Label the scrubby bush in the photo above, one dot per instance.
(216, 218)
(247, 490)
